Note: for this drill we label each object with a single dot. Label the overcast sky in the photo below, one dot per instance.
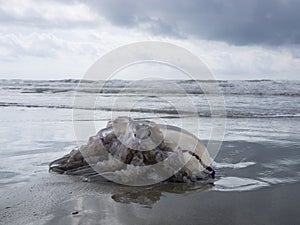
(236, 39)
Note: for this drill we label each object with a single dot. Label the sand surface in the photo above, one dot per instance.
(56, 199)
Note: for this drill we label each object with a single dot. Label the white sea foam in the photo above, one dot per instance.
(238, 165)
(238, 184)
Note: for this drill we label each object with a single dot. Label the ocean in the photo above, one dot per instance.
(257, 165)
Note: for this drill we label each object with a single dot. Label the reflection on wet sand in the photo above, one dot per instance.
(109, 203)
(148, 196)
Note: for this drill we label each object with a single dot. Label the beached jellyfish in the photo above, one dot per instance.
(128, 149)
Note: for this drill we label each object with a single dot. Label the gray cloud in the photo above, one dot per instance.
(238, 22)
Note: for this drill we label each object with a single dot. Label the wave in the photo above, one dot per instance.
(45, 90)
(108, 90)
(248, 87)
(142, 91)
(247, 115)
(13, 104)
(153, 111)
(287, 94)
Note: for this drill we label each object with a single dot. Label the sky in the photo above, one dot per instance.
(236, 39)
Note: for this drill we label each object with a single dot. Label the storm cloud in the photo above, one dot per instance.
(237, 39)
(238, 22)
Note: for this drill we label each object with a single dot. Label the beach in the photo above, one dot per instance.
(53, 199)
(257, 166)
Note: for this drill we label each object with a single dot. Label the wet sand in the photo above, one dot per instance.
(271, 196)
(67, 200)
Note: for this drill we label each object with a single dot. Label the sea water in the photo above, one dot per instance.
(260, 147)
